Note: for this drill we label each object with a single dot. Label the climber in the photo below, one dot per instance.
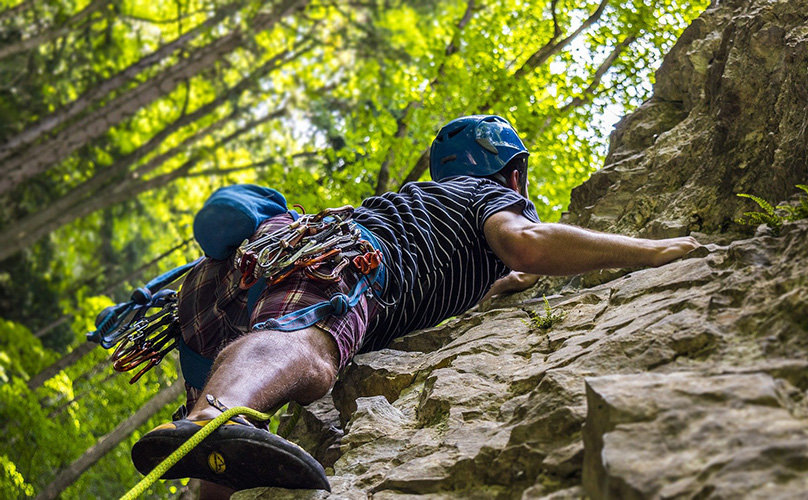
(444, 244)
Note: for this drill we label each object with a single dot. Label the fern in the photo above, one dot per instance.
(800, 211)
(770, 215)
(549, 319)
(765, 205)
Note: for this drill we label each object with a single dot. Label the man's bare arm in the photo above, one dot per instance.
(558, 249)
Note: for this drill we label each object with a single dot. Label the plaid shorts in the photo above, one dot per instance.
(213, 309)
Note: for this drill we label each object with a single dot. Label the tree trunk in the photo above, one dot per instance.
(133, 185)
(110, 287)
(402, 122)
(65, 361)
(40, 158)
(55, 412)
(54, 33)
(68, 208)
(420, 167)
(384, 170)
(60, 117)
(107, 443)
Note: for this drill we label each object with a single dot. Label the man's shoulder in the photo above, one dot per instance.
(449, 196)
(452, 185)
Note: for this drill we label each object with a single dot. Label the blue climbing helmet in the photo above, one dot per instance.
(477, 145)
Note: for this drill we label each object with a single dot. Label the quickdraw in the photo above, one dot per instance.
(142, 335)
(304, 245)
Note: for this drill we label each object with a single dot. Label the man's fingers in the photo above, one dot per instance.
(674, 248)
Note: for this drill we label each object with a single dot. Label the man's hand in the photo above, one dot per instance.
(672, 248)
(513, 282)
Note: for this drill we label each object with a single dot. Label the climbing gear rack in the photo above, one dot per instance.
(304, 245)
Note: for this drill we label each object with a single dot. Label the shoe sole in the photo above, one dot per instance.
(235, 456)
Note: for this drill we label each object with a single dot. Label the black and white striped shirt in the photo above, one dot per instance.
(438, 263)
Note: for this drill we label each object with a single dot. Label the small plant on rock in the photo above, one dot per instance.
(774, 216)
(549, 319)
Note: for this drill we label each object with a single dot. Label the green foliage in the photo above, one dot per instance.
(13, 484)
(55, 424)
(21, 354)
(797, 212)
(549, 319)
(772, 216)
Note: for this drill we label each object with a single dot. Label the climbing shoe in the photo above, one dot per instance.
(235, 455)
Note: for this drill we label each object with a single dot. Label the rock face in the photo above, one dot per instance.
(686, 381)
(728, 116)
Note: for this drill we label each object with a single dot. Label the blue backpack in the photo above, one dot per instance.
(232, 214)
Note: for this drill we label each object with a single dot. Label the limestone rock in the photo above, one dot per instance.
(727, 117)
(318, 431)
(684, 435)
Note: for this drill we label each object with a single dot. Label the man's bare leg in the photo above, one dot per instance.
(265, 369)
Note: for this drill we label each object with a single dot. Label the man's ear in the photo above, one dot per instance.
(513, 180)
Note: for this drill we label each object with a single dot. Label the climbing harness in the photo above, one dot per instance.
(304, 245)
(146, 328)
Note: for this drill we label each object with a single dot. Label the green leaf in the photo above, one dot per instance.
(765, 205)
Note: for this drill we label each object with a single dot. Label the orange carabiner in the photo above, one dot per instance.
(368, 262)
(153, 361)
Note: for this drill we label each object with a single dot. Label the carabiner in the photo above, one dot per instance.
(153, 361)
(368, 262)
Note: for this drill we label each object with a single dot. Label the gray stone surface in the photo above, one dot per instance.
(688, 434)
(685, 381)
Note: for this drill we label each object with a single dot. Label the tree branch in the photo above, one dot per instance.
(537, 58)
(402, 123)
(590, 91)
(162, 21)
(556, 27)
(552, 48)
(251, 166)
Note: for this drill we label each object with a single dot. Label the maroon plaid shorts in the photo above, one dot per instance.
(213, 310)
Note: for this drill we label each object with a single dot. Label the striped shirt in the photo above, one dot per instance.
(438, 262)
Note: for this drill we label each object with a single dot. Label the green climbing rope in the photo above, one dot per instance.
(287, 429)
(187, 446)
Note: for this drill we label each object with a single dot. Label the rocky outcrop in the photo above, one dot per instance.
(728, 116)
(686, 381)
